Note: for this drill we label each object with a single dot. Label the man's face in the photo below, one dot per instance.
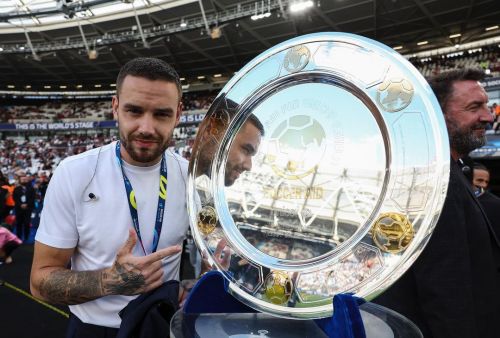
(24, 180)
(481, 178)
(147, 112)
(467, 115)
(245, 145)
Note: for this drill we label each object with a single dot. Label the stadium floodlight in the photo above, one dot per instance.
(47, 87)
(260, 16)
(201, 77)
(217, 75)
(491, 28)
(93, 54)
(183, 23)
(421, 43)
(215, 33)
(397, 47)
(63, 87)
(182, 78)
(455, 35)
(299, 6)
(11, 86)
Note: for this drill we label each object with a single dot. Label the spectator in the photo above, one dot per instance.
(481, 176)
(8, 243)
(24, 199)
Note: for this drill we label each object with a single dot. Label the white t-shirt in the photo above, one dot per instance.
(98, 227)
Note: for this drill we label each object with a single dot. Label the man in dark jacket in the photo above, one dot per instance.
(24, 199)
(453, 288)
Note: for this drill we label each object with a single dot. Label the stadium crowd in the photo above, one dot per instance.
(487, 58)
(55, 111)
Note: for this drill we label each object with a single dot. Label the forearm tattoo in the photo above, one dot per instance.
(72, 287)
(76, 287)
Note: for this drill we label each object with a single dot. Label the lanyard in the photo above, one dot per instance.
(132, 203)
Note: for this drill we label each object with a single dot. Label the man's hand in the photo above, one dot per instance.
(131, 275)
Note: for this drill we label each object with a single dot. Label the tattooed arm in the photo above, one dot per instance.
(52, 281)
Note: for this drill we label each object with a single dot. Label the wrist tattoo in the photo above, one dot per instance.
(126, 281)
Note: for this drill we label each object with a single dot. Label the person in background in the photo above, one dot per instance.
(489, 202)
(481, 176)
(9, 198)
(453, 288)
(8, 243)
(4, 193)
(24, 203)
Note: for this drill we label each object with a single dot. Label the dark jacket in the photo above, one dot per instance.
(149, 314)
(28, 192)
(453, 288)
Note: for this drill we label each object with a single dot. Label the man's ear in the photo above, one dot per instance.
(178, 113)
(114, 107)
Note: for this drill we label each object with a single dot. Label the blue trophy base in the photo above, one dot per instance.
(210, 311)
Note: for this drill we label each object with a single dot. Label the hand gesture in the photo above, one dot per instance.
(131, 275)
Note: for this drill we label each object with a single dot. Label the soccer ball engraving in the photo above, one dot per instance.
(392, 232)
(296, 146)
(296, 58)
(207, 220)
(278, 288)
(395, 94)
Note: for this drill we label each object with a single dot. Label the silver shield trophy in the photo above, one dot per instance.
(320, 168)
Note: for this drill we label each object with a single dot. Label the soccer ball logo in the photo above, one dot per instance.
(296, 146)
(278, 287)
(207, 220)
(395, 94)
(392, 232)
(296, 58)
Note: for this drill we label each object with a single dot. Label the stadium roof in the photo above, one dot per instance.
(68, 43)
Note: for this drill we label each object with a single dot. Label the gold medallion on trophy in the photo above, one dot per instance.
(207, 220)
(395, 94)
(278, 287)
(392, 232)
(296, 58)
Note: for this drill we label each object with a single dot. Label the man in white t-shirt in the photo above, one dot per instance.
(117, 213)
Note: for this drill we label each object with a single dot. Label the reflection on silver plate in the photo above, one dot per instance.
(323, 165)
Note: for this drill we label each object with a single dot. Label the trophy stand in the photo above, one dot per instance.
(211, 312)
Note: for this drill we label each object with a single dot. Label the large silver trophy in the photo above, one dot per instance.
(321, 168)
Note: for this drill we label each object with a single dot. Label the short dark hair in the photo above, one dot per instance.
(442, 84)
(480, 166)
(151, 69)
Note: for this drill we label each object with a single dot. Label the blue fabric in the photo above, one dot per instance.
(210, 295)
(346, 321)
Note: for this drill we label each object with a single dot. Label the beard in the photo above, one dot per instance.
(144, 154)
(463, 140)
